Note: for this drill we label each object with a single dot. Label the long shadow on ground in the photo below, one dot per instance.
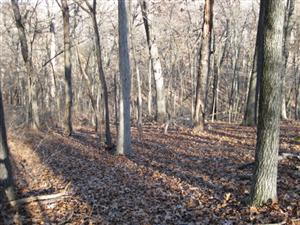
(171, 179)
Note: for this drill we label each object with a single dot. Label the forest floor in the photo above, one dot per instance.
(174, 178)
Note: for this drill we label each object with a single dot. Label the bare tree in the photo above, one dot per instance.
(156, 69)
(92, 11)
(32, 104)
(270, 50)
(205, 51)
(67, 123)
(124, 132)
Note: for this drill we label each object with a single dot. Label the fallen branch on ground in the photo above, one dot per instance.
(42, 197)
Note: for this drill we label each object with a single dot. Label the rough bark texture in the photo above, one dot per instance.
(124, 134)
(270, 51)
(161, 107)
(199, 112)
(6, 182)
(67, 123)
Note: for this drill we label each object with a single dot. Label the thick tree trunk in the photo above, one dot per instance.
(6, 181)
(67, 123)
(199, 112)
(124, 134)
(270, 51)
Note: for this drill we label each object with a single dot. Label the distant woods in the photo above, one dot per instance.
(198, 65)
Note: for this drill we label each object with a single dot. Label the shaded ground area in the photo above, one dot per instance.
(177, 178)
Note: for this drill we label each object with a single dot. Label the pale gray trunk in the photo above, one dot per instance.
(124, 134)
(150, 88)
(140, 104)
(161, 107)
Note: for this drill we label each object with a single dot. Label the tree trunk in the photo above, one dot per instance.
(138, 77)
(124, 134)
(249, 116)
(6, 181)
(289, 10)
(161, 107)
(199, 112)
(67, 123)
(270, 50)
(32, 116)
(150, 89)
(103, 80)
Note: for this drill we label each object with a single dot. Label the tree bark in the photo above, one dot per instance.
(124, 134)
(199, 112)
(270, 50)
(67, 123)
(6, 181)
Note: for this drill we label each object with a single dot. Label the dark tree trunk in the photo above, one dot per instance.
(103, 80)
(270, 50)
(67, 124)
(6, 181)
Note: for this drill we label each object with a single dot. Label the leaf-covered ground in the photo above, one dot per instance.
(177, 178)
